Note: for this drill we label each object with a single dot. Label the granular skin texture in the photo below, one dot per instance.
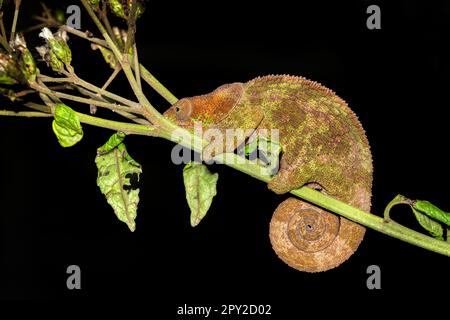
(324, 146)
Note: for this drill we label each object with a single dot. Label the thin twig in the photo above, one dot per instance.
(131, 27)
(104, 16)
(128, 128)
(28, 114)
(73, 78)
(144, 73)
(148, 110)
(136, 67)
(2, 26)
(111, 106)
(16, 16)
(3, 37)
(112, 77)
(124, 114)
(85, 35)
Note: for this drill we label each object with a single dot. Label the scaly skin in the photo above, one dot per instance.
(324, 146)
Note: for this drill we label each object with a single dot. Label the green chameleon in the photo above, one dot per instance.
(324, 147)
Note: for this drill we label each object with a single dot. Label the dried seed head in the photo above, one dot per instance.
(122, 8)
(56, 48)
(9, 70)
(25, 59)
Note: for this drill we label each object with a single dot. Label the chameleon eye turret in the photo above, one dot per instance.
(183, 109)
(323, 144)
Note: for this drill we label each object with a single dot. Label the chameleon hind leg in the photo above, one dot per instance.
(309, 238)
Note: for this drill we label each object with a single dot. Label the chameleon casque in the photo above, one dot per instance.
(324, 147)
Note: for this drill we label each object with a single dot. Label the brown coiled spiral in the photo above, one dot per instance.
(311, 239)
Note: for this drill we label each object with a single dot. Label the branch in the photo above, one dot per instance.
(107, 105)
(14, 24)
(27, 114)
(144, 73)
(128, 128)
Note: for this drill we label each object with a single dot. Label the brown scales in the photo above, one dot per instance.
(324, 146)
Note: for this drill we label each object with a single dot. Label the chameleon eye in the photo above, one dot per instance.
(183, 109)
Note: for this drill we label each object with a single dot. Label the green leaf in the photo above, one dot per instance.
(432, 211)
(113, 142)
(115, 170)
(429, 224)
(433, 227)
(66, 126)
(201, 187)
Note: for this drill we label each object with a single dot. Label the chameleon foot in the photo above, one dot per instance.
(311, 239)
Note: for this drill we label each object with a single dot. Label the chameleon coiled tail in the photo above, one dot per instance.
(311, 239)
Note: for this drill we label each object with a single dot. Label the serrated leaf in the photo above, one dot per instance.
(115, 170)
(433, 227)
(66, 126)
(201, 187)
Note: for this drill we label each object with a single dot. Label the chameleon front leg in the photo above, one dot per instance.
(295, 170)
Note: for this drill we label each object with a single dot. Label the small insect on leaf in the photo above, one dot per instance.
(201, 187)
(116, 170)
(66, 126)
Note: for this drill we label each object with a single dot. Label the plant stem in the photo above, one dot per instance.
(136, 66)
(107, 105)
(145, 74)
(14, 24)
(149, 111)
(3, 37)
(366, 219)
(2, 26)
(85, 35)
(157, 86)
(128, 128)
(111, 77)
(103, 92)
(124, 114)
(28, 114)
(374, 222)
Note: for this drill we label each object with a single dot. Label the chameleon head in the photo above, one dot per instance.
(209, 109)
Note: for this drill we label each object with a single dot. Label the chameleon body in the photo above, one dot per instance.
(324, 147)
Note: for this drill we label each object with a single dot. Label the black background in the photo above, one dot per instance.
(396, 79)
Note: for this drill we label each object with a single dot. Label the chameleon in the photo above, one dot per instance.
(324, 146)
